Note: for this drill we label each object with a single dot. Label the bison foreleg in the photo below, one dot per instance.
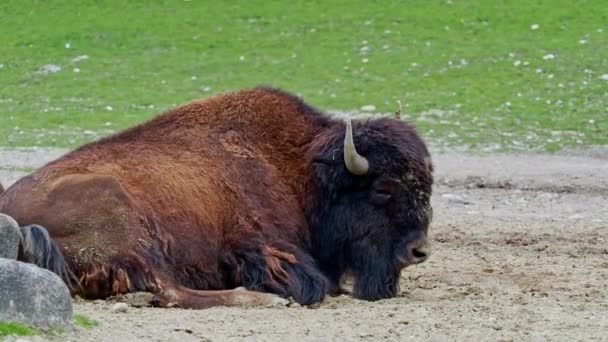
(285, 271)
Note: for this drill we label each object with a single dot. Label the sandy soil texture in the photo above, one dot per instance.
(520, 253)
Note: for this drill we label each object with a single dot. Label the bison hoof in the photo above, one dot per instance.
(277, 302)
(248, 298)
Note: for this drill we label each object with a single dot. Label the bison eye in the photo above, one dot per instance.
(381, 196)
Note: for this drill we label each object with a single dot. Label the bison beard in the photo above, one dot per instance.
(251, 189)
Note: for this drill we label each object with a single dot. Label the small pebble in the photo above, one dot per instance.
(454, 199)
(120, 308)
(368, 108)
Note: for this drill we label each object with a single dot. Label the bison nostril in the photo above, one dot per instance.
(419, 254)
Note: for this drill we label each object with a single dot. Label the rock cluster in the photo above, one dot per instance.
(29, 294)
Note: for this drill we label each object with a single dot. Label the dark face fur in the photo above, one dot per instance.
(373, 224)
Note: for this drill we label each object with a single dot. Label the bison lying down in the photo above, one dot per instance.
(250, 189)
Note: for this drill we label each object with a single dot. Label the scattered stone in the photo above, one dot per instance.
(454, 199)
(10, 236)
(604, 77)
(33, 295)
(80, 58)
(120, 308)
(49, 68)
(549, 56)
(368, 108)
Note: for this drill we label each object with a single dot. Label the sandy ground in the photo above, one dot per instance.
(520, 253)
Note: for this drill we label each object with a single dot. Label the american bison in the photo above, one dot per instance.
(250, 189)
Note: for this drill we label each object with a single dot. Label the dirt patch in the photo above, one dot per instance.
(521, 254)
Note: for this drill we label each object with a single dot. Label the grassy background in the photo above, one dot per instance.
(468, 72)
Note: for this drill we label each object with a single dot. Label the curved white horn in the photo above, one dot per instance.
(355, 163)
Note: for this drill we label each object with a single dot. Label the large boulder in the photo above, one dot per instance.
(10, 237)
(33, 296)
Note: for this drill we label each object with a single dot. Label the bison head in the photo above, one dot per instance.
(371, 209)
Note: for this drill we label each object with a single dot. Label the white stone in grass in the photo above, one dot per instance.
(80, 58)
(368, 108)
(50, 68)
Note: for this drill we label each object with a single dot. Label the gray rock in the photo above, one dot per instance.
(33, 296)
(10, 236)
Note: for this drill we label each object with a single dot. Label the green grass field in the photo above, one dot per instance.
(518, 74)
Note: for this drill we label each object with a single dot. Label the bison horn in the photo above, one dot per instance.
(355, 163)
(398, 111)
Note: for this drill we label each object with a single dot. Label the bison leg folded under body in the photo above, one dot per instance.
(194, 299)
